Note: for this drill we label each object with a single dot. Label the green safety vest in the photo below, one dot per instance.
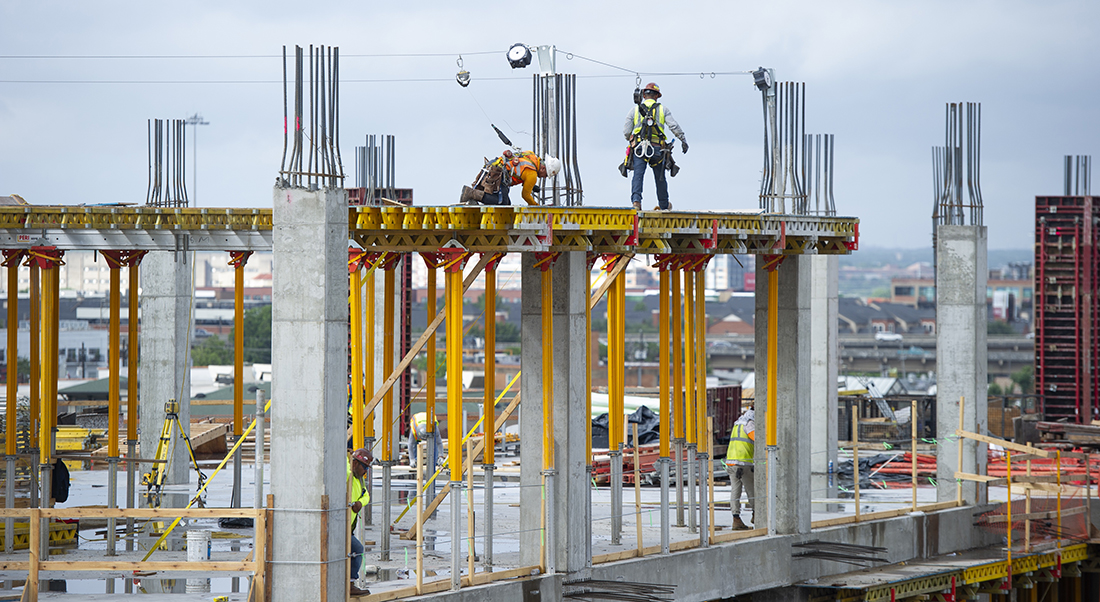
(741, 449)
(657, 132)
(355, 486)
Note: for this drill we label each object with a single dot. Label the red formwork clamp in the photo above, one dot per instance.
(772, 262)
(12, 257)
(854, 245)
(454, 258)
(712, 242)
(632, 240)
(238, 259)
(781, 244)
(492, 264)
(545, 261)
(45, 258)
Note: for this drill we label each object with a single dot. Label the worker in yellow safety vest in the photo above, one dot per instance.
(645, 131)
(510, 169)
(739, 465)
(418, 431)
(358, 462)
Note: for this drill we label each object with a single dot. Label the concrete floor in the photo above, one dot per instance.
(89, 488)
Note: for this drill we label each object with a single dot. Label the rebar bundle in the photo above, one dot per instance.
(1078, 175)
(322, 166)
(817, 174)
(840, 552)
(376, 168)
(167, 165)
(786, 173)
(962, 140)
(555, 133)
(596, 589)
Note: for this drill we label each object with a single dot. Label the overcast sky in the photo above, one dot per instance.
(878, 75)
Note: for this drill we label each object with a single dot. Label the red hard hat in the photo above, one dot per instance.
(652, 87)
(363, 455)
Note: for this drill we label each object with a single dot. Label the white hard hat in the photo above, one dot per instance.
(553, 165)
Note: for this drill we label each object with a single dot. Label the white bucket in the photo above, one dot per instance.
(198, 550)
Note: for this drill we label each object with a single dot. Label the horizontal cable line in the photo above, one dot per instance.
(226, 56)
(342, 81)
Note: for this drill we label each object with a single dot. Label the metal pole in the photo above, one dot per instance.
(114, 362)
(131, 398)
(456, 524)
(387, 469)
(692, 462)
(666, 425)
(488, 468)
(616, 494)
(12, 391)
(551, 548)
(489, 410)
(430, 379)
(258, 461)
(453, 282)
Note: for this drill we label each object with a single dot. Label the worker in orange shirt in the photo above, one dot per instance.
(510, 169)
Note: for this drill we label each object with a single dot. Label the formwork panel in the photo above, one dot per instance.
(1066, 308)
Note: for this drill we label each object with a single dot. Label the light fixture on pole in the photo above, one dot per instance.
(195, 120)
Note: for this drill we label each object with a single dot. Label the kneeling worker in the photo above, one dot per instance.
(491, 185)
(358, 463)
(739, 465)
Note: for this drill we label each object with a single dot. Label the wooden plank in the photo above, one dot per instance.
(1003, 518)
(148, 512)
(487, 577)
(981, 478)
(1016, 447)
(423, 340)
(15, 566)
(259, 554)
(202, 433)
(620, 265)
(844, 520)
(442, 495)
(137, 565)
(737, 535)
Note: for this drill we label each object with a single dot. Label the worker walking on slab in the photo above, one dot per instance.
(497, 176)
(739, 465)
(645, 131)
(358, 463)
(418, 432)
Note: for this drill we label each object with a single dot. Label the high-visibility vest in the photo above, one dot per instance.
(654, 108)
(520, 162)
(419, 420)
(356, 491)
(741, 449)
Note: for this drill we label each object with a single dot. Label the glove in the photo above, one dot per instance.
(684, 146)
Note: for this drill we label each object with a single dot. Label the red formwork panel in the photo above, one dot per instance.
(1067, 312)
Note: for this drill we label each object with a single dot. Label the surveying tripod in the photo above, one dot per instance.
(154, 479)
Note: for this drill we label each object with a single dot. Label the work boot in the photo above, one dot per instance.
(637, 205)
(356, 592)
(739, 525)
(658, 208)
(471, 196)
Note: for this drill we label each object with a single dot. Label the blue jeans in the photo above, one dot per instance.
(356, 557)
(658, 177)
(438, 448)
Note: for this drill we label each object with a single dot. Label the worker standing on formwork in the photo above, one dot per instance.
(645, 131)
(510, 169)
(358, 463)
(739, 465)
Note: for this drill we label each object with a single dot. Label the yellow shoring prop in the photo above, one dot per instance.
(36, 352)
(439, 470)
(368, 351)
(701, 357)
(430, 377)
(773, 336)
(389, 286)
(132, 349)
(588, 365)
(238, 261)
(113, 358)
(547, 368)
(453, 279)
(488, 412)
(691, 428)
(677, 359)
(13, 341)
(356, 310)
(663, 377)
(221, 465)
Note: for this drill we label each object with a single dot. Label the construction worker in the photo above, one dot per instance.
(739, 465)
(510, 169)
(418, 431)
(358, 463)
(645, 131)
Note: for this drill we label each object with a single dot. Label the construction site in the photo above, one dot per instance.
(560, 477)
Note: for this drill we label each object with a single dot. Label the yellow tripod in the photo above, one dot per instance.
(154, 479)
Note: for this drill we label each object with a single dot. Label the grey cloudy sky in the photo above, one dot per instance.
(878, 74)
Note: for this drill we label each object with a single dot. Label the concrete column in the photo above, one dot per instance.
(791, 503)
(530, 418)
(570, 502)
(571, 512)
(166, 329)
(309, 334)
(823, 373)
(961, 355)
